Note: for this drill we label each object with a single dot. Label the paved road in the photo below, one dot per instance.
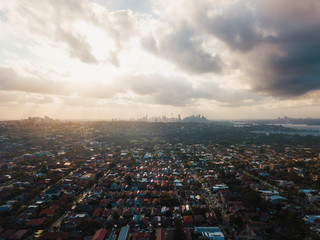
(213, 203)
(57, 223)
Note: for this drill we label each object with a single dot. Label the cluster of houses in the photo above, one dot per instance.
(68, 182)
(145, 192)
(259, 171)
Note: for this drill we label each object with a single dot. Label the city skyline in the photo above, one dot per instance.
(80, 59)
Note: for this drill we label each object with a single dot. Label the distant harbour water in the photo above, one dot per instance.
(297, 129)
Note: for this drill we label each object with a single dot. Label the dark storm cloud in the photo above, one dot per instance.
(293, 73)
(183, 49)
(279, 40)
(297, 70)
(235, 26)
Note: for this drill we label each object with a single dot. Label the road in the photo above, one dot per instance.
(213, 203)
(56, 225)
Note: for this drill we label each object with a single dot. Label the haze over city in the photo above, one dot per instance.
(125, 59)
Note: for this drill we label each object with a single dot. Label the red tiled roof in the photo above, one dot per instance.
(55, 236)
(18, 234)
(161, 234)
(97, 212)
(100, 234)
(141, 235)
(188, 219)
(7, 233)
(36, 221)
(49, 211)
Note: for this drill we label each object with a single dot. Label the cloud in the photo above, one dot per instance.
(180, 91)
(158, 89)
(122, 27)
(181, 47)
(70, 24)
(236, 26)
(179, 53)
(21, 98)
(290, 66)
(276, 43)
(54, 21)
(77, 45)
(227, 97)
(95, 90)
(147, 88)
(11, 81)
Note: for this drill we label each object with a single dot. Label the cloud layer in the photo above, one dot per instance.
(181, 47)
(184, 54)
(279, 41)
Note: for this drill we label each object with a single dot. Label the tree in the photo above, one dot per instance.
(128, 180)
(16, 206)
(252, 198)
(99, 175)
(178, 233)
(89, 226)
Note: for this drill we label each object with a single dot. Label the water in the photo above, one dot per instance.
(297, 129)
(303, 127)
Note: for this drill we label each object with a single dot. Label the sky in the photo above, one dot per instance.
(123, 59)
